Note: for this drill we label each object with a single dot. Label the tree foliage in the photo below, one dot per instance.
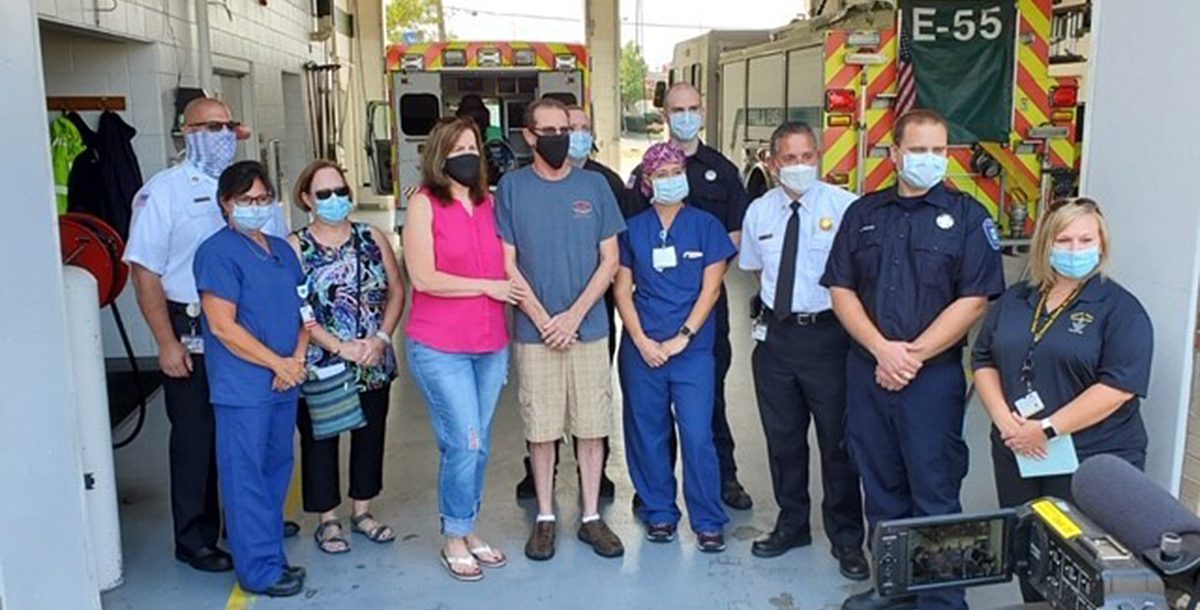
(633, 75)
(411, 16)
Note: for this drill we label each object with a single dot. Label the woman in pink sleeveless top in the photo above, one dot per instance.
(457, 338)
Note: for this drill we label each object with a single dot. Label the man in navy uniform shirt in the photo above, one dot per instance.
(912, 268)
(715, 186)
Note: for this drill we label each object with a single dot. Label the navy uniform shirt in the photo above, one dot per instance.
(910, 258)
(1104, 337)
(714, 185)
(665, 297)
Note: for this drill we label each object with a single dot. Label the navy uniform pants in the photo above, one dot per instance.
(909, 448)
(254, 459)
(686, 383)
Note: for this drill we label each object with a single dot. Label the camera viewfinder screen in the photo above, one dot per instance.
(956, 552)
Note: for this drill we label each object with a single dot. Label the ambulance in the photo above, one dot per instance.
(428, 81)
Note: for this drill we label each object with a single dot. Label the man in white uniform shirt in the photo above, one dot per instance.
(173, 213)
(799, 359)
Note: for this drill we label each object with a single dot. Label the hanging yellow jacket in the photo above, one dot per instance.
(65, 144)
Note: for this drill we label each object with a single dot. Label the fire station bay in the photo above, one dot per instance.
(329, 304)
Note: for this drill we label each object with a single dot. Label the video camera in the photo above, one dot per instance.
(1135, 545)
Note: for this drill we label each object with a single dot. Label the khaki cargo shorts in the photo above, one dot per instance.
(563, 392)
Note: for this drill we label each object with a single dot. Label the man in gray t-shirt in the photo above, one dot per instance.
(559, 227)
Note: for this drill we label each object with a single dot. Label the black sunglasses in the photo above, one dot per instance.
(341, 191)
(215, 126)
(1058, 204)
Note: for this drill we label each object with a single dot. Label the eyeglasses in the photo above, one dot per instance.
(215, 126)
(259, 201)
(341, 191)
(552, 131)
(1085, 202)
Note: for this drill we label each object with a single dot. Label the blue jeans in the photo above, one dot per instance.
(461, 391)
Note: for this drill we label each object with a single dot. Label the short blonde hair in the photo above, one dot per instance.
(1060, 215)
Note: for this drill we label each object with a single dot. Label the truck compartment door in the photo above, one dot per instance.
(566, 87)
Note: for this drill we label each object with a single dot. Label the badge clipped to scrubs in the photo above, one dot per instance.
(664, 256)
(1030, 404)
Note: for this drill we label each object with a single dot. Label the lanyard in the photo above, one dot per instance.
(1038, 332)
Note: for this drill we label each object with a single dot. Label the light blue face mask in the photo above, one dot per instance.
(211, 151)
(250, 218)
(685, 126)
(923, 171)
(581, 144)
(671, 190)
(334, 209)
(1075, 264)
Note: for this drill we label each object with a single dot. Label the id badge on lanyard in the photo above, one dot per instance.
(1031, 403)
(664, 256)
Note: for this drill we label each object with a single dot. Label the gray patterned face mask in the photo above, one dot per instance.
(211, 151)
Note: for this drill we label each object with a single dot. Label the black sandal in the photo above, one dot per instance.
(380, 534)
(324, 542)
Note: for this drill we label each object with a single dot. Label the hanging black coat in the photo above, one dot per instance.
(106, 176)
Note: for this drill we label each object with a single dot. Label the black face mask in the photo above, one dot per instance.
(464, 169)
(554, 148)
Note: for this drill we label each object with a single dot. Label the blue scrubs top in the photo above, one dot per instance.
(266, 288)
(910, 258)
(1104, 337)
(664, 299)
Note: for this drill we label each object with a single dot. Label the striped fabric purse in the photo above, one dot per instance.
(333, 404)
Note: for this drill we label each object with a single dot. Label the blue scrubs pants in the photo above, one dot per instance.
(254, 462)
(685, 381)
(909, 448)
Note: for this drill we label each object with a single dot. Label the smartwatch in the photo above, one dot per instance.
(1048, 429)
(686, 332)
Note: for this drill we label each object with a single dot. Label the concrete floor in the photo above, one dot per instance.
(408, 575)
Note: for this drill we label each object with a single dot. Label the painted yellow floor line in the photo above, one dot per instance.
(239, 599)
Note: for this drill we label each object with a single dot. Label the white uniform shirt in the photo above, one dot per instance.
(821, 211)
(173, 213)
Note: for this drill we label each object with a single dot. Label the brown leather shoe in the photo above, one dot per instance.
(602, 539)
(541, 541)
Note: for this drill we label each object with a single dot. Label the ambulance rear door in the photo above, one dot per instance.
(418, 106)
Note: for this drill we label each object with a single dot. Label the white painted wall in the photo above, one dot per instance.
(45, 565)
(1140, 142)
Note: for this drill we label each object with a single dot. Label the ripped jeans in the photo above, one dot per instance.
(461, 391)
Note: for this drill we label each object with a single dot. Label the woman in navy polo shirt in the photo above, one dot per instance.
(251, 287)
(1066, 353)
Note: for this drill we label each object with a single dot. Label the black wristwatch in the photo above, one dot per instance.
(686, 332)
(1048, 429)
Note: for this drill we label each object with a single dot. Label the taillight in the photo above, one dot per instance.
(839, 100)
(1064, 96)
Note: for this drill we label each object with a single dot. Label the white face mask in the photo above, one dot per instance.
(798, 178)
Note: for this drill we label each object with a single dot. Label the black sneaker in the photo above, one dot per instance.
(711, 542)
(660, 532)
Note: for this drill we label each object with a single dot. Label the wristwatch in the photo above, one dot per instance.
(1048, 428)
(686, 332)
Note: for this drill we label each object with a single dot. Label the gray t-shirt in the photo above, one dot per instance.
(557, 227)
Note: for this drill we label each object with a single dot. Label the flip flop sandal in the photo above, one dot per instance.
(380, 534)
(500, 562)
(450, 562)
(324, 542)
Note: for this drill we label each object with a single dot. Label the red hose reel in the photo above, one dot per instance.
(91, 244)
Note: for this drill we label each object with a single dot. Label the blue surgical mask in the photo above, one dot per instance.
(334, 209)
(923, 171)
(685, 126)
(670, 190)
(250, 218)
(211, 151)
(1075, 264)
(799, 178)
(581, 144)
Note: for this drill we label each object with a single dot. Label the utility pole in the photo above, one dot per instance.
(441, 19)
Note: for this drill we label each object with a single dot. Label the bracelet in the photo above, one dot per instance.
(382, 336)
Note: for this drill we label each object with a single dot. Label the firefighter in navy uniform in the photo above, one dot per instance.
(715, 186)
(912, 268)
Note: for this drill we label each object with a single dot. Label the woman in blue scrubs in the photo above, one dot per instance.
(1064, 356)
(251, 287)
(673, 260)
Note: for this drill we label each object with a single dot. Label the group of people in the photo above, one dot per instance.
(860, 325)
